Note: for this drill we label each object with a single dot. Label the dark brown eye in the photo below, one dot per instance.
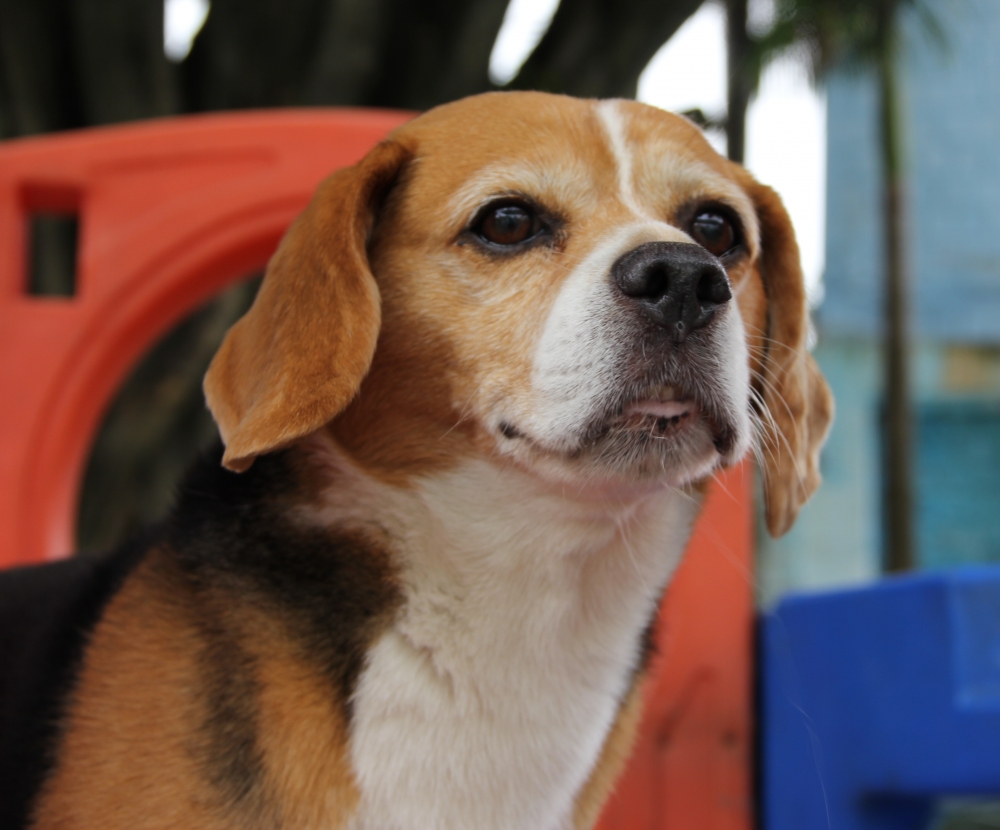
(508, 225)
(714, 232)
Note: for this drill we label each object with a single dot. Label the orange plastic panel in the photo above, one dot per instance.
(171, 212)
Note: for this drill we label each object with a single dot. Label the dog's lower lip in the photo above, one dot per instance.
(660, 409)
(663, 417)
(666, 412)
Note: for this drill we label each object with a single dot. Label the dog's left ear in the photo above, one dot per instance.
(798, 401)
(298, 356)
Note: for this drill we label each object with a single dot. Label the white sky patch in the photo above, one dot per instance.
(786, 123)
(524, 23)
(689, 71)
(786, 148)
(182, 20)
(760, 16)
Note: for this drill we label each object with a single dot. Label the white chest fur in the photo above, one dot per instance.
(486, 705)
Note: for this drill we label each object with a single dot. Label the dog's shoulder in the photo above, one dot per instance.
(228, 656)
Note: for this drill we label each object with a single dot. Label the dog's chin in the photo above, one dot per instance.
(645, 444)
(651, 442)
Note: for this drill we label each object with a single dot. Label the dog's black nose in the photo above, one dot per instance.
(678, 285)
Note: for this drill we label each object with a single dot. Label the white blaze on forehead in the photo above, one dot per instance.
(677, 172)
(613, 121)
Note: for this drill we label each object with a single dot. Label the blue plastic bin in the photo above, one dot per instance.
(876, 702)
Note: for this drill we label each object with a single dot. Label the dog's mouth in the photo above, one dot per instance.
(673, 424)
(661, 410)
(670, 411)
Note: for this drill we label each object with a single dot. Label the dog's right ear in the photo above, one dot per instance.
(298, 356)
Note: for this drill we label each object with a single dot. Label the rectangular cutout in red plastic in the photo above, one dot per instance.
(53, 228)
(52, 254)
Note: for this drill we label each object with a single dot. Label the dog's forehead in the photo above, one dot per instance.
(567, 149)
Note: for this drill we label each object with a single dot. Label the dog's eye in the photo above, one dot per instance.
(508, 225)
(714, 232)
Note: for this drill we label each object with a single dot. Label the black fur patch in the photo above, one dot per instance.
(46, 613)
(647, 644)
(332, 591)
(227, 743)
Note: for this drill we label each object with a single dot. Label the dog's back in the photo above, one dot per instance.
(46, 612)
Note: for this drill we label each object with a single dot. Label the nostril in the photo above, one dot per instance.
(712, 288)
(648, 282)
(655, 281)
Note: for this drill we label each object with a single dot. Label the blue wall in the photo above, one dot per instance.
(837, 539)
(958, 483)
(952, 106)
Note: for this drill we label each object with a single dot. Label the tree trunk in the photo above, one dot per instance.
(598, 48)
(898, 419)
(740, 80)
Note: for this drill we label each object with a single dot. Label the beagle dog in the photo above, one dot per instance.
(467, 427)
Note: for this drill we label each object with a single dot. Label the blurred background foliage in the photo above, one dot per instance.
(67, 64)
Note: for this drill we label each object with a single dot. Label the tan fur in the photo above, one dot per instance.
(303, 738)
(614, 755)
(138, 718)
(131, 720)
(297, 357)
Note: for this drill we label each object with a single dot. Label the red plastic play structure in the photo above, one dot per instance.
(171, 213)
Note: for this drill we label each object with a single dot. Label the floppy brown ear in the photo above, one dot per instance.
(798, 401)
(298, 356)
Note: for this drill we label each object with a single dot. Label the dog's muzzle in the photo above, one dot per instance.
(677, 285)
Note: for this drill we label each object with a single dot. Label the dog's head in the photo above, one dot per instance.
(585, 289)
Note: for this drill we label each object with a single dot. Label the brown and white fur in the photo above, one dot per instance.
(477, 465)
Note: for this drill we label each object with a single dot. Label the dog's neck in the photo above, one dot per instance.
(487, 702)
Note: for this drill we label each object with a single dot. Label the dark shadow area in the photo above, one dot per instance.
(155, 427)
(52, 254)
